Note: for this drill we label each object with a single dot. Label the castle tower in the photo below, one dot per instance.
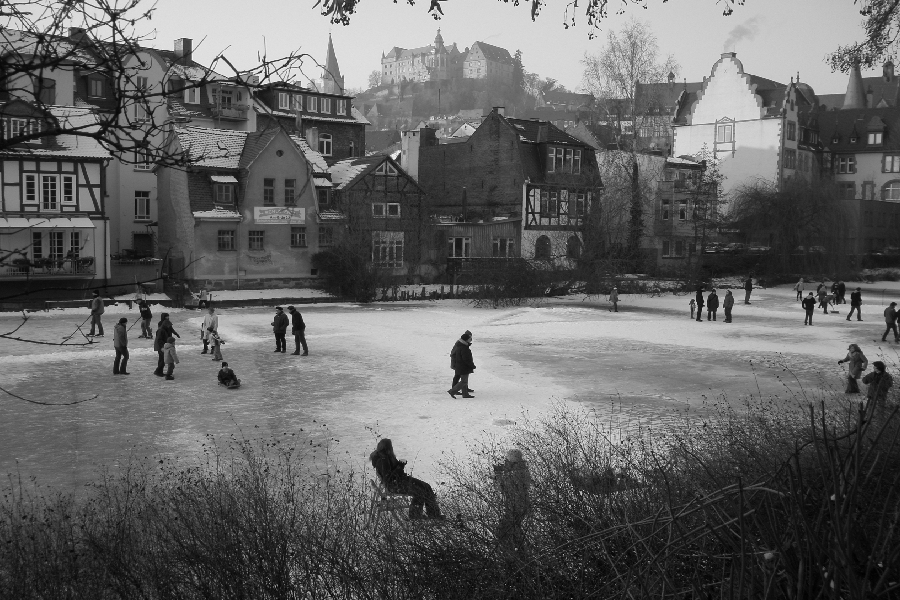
(856, 93)
(332, 80)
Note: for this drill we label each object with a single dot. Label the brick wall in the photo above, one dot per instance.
(342, 134)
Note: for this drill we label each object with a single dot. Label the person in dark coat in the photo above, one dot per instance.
(878, 383)
(700, 303)
(396, 481)
(857, 364)
(728, 304)
(809, 305)
(279, 327)
(164, 330)
(298, 330)
(841, 290)
(464, 365)
(227, 377)
(748, 288)
(120, 345)
(457, 372)
(146, 320)
(97, 310)
(712, 305)
(890, 319)
(855, 303)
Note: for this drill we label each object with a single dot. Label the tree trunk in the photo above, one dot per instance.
(636, 228)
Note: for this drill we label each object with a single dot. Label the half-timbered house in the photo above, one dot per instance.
(53, 222)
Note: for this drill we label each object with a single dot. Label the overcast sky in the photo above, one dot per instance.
(773, 38)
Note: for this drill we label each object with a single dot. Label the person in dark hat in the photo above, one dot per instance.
(120, 345)
(298, 330)
(227, 377)
(463, 364)
(279, 327)
(390, 472)
(97, 309)
(855, 303)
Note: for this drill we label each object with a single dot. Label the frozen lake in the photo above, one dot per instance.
(383, 370)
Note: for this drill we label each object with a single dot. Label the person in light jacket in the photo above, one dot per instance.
(712, 305)
(857, 364)
(464, 365)
(210, 323)
(97, 309)
(799, 289)
(279, 328)
(614, 298)
(120, 345)
(170, 356)
(728, 304)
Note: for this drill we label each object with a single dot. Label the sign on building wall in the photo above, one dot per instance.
(279, 215)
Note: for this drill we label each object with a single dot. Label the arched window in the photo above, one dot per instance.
(325, 144)
(573, 247)
(891, 191)
(542, 248)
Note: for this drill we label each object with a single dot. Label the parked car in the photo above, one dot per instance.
(714, 248)
(735, 248)
(809, 250)
(759, 249)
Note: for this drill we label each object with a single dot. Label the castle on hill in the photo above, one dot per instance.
(437, 62)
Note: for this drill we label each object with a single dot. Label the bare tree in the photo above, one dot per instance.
(881, 22)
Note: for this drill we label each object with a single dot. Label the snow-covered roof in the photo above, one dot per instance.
(217, 214)
(345, 171)
(67, 145)
(217, 148)
(315, 158)
(322, 182)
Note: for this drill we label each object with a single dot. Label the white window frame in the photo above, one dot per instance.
(326, 144)
(576, 162)
(191, 93)
(326, 106)
(876, 138)
(49, 202)
(503, 247)
(379, 210)
(141, 206)
(222, 190)
(75, 243)
(847, 164)
(724, 133)
(30, 193)
(393, 210)
(312, 104)
(298, 102)
(67, 190)
(890, 163)
(386, 168)
(887, 188)
(387, 249)
(465, 247)
(342, 107)
(290, 189)
(96, 85)
(57, 244)
(284, 101)
(142, 160)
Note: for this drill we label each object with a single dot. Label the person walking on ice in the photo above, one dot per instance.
(699, 299)
(890, 319)
(799, 289)
(614, 298)
(146, 320)
(120, 345)
(712, 305)
(855, 303)
(462, 362)
(216, 342)
(858, 364)
(748, 288)
(809, 305)
(693, 305)
(164, 331)
(170, 356)
(728, 304)
(298, 330)
(279, 328)
(210, 324)
(97, 309)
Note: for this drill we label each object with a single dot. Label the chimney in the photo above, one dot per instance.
(729, 54)
(312, 137)
(184, 48)
(500, 110)
(856, 95)
(671, 78)
(541, 133)
(870, 96)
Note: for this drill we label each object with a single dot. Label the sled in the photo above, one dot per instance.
(232, 387)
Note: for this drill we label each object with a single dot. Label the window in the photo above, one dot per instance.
(459, 247)
(567, 161)
(223, 193)
(268, 192)
(312, 103)
(573, 247)
(891, 191)
(790, 159)
(191, 92)
(679, 248)
(666, 248)
(724, 134)
(30, 189)
(284, 101)
(891, 163)
(96, 88)
(875, 138)
(666, 206)
(378, 210)
(868, 190)
(49, 192)
(393, 209)
(75, 243)
(326, 106)
(256, 240)
(225, 239)
(791, 133)
(682, 210)
(325, 144)
(579, 204)
(847, 190)
(142, 206)
(576, 162)
(322, 198)
(37, 248)
(142, 160)
(542, 248)
(326, 236)
(352, 149)
(846, 164)
(554, 160)
(56, 244)
(342, 107)
(289, 191)
(16, 127)
(503, 247)
(298, 237)
(387, 248)
(386, 168)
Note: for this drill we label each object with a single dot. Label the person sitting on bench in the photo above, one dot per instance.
(390, 471)
(227, 377)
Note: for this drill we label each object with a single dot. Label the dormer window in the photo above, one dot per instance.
(95, 88)
(312, 103)
(223, 189)
(284, 101)
(326, 106)
(386, 168)
(15, 127)
(853, 139)
(342, 107)
(835, 139)
(875, 138)
(191, 93)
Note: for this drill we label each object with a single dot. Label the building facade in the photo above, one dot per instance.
(434, 62)
(484, 61)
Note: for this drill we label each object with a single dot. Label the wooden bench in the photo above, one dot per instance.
(384, 501)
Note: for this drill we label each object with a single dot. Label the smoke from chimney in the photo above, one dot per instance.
(746, 31)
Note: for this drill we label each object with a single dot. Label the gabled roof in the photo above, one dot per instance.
(663, 96)
(346, 173)
(493, 53)
(399, 53)
(312, 156)
(23, 43)
(528, 132)
(255, 143)
(556, 96)
(66, 145)
(853, 122)
(212, 148)
(187, 70)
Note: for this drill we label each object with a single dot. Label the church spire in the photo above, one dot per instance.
(332, 80)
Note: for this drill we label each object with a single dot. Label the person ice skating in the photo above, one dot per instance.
(216, 342)
(146, 320)
(396, 481)
(841, 290)
(513, 479)
(298, 330)
(748, 288)
(820, 288)
(728, 304)
(227, 377)
(693, 305)
(699, 299)
(97, 309)
(878, 383)
(823, 298)
(170, 357)
(463, 364)
(799, 289)
(712, 305)
(210, 323)
(855, 303)
(164, 330)
(614, 298)
(890, 319)
(858, 364)
(809, 305)
(120, 345)
(279, 328)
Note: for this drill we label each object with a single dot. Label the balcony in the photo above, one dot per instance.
(49, 267)
(235, 112)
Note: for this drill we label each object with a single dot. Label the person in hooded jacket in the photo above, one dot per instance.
(809, 305)
(699, 299)
(728, 304)
(164, 330)
(97, 310)
(858, 364)
(463, 364)
(712, 305)
(879, 382)
(391, 473)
